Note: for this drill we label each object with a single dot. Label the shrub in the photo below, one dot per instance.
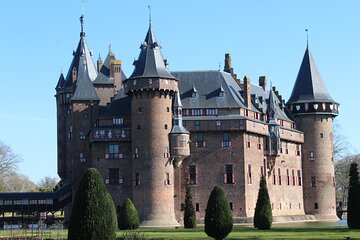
(263, 212)
(353, 214)
(112, 213)
(128, 217)
(218, 217)
(189, 211)
(90, 212)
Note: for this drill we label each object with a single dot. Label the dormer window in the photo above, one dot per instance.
(193, 95)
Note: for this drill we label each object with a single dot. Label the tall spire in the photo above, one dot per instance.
(272, 106)
(149, 7)
(82, 33)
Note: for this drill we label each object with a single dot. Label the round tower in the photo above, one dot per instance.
(152, 89)
(314, 111)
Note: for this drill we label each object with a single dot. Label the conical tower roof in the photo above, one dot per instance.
(309, 86)
(81, 50)
(150, 63)
(85, 90)
(61, 82)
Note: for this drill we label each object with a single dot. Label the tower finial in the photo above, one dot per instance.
(149, 7)
(82, 33)
(307, 37)
(83, 7)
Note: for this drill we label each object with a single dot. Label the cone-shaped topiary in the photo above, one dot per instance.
(189, 211)
(89, 216)
(128, 217)
(353, 214)
(112, 213)
(218, 216)
(263, 212)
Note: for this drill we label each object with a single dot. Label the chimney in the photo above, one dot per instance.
(99, 64)
(262, 82)
(227, 65)
(247, 92)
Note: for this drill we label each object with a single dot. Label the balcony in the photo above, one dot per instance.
(110, 134)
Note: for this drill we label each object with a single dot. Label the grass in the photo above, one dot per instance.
(239, 232)
(245, 232)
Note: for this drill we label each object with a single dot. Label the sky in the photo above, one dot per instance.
(263, 37)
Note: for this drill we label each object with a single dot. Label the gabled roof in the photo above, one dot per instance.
(81, 50)
(150, 62)
(84, 88)
(309, 86)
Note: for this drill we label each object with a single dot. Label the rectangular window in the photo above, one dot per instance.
(286, 148)
(197, 207)
(316, 205)
(136, 153)
(200, 143)
(287, 177)
(211, 112)
(248, 144)
(229, 174)
(192, 175)
(299, 177)
(249, 175)
(70, 132)
(82, 135)
(274, 177)
(281, 146)
(226, 140)
(196, 112)
(279, 176)
(166, 153)
(313, 181)
(231, 206)
(114, 176)
(293, 177)
(259, 143)
(137, 179)
(118, 121)
(312, 155)
(182, 207)
(113, 152)
(167, 179)
(297, 150)
(82, 157)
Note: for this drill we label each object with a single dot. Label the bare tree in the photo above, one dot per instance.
(47, 183)
(8, 163)
(341, 145)
(18, 183)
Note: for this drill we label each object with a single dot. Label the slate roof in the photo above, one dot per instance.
(81, 50)
(150, 62)
(208, 85)
(178, 125)
(309, 86)
(61, 81)
(262, 99)
(103, 76)
(84, 88)
(120, 106)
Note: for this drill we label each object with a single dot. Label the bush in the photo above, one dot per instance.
(263, 212)
(90, 212)
(218, 217)
(112, 213)
(128, 217)
(189, 211)
(353, 214)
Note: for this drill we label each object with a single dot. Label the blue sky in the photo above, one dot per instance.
(264, 38)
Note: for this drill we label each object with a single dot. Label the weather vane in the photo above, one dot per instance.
(149, 7)
(307, 37)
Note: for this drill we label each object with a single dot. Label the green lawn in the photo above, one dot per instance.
(245, 232)
(239, 232)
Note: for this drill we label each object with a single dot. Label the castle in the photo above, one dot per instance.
(152, 132)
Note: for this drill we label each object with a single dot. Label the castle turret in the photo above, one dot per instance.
(314, 111)
(152, 89)
(179, 136)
